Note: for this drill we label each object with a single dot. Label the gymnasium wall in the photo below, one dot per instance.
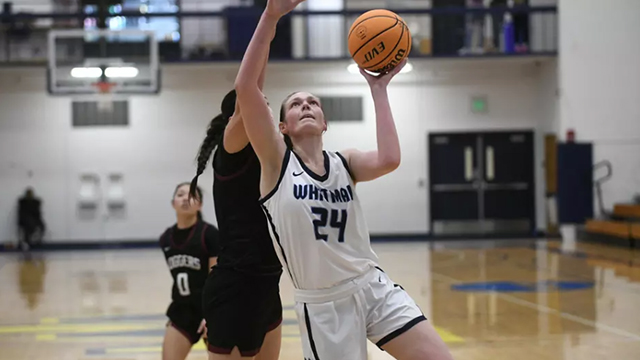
(549, 99)
(38, 146)
(600, 86)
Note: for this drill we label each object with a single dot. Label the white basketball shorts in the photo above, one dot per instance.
(336, 323)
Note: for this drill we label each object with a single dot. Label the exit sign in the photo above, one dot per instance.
(479, 105)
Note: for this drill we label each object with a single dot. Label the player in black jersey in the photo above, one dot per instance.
(190, 248)
(241, 297)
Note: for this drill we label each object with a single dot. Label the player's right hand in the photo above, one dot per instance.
(382, 80)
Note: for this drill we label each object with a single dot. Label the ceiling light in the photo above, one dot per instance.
(86, 72)
(121, 72)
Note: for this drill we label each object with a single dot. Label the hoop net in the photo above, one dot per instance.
(105, 96)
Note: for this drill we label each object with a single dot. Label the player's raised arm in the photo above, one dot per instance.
(257, 117)
(235, 136)
(366, 166)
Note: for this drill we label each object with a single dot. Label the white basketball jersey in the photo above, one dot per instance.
(317, 224)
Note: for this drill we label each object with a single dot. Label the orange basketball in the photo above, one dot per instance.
(379, 40)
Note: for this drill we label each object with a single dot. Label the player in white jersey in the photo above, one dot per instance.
(326, 210)
(309, 197)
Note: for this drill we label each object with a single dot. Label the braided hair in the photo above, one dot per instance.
(215, 134)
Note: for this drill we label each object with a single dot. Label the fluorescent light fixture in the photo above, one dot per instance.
(86, 72)
(353, 68)
(407, 68)
(121, 72)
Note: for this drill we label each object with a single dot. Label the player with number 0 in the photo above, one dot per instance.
(190, 248)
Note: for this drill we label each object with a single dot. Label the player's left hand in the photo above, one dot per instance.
(203, 328)
(382, 80)
(280, 8)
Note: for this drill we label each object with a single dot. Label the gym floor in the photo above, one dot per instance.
(493, 300)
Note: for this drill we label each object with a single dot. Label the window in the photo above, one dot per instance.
(167, 29)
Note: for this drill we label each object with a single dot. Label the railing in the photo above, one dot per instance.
(305, 35)
(606, 164)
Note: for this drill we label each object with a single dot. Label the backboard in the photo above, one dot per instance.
(79, 59)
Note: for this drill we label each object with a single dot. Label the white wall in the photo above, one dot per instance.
(154, 153)
(600, 86)
(549, 98)
(157, 150)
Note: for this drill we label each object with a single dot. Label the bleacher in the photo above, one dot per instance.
(622, 226)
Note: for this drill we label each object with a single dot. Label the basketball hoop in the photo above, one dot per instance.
(105, 96)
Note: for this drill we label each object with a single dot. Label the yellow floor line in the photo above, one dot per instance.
(448, 337)
(46, 337)
(74, 328)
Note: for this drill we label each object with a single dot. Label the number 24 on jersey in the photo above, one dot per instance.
(336, 219)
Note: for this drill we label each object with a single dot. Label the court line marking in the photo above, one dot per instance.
(587, 255)
(447, 336)
(549, 310)
(137, 350)
(75, 329)
(46, 337)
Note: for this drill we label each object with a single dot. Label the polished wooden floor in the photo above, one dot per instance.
(489, 301)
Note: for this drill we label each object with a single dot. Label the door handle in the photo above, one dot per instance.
(490, 170)
(468, 163)
(510, 186)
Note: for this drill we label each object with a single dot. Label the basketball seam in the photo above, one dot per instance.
(404, 27)
(392, 50)
(373, 38)
(354, 26)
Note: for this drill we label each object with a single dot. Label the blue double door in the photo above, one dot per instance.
(482, 182)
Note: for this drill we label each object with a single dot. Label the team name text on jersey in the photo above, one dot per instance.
(187, 261)
(312, 192)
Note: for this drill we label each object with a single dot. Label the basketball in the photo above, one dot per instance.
(379, 40)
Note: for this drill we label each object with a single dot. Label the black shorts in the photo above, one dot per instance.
(240, 310)
(186, 318)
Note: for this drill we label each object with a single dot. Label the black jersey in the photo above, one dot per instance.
(187, 252)
(245, 243)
